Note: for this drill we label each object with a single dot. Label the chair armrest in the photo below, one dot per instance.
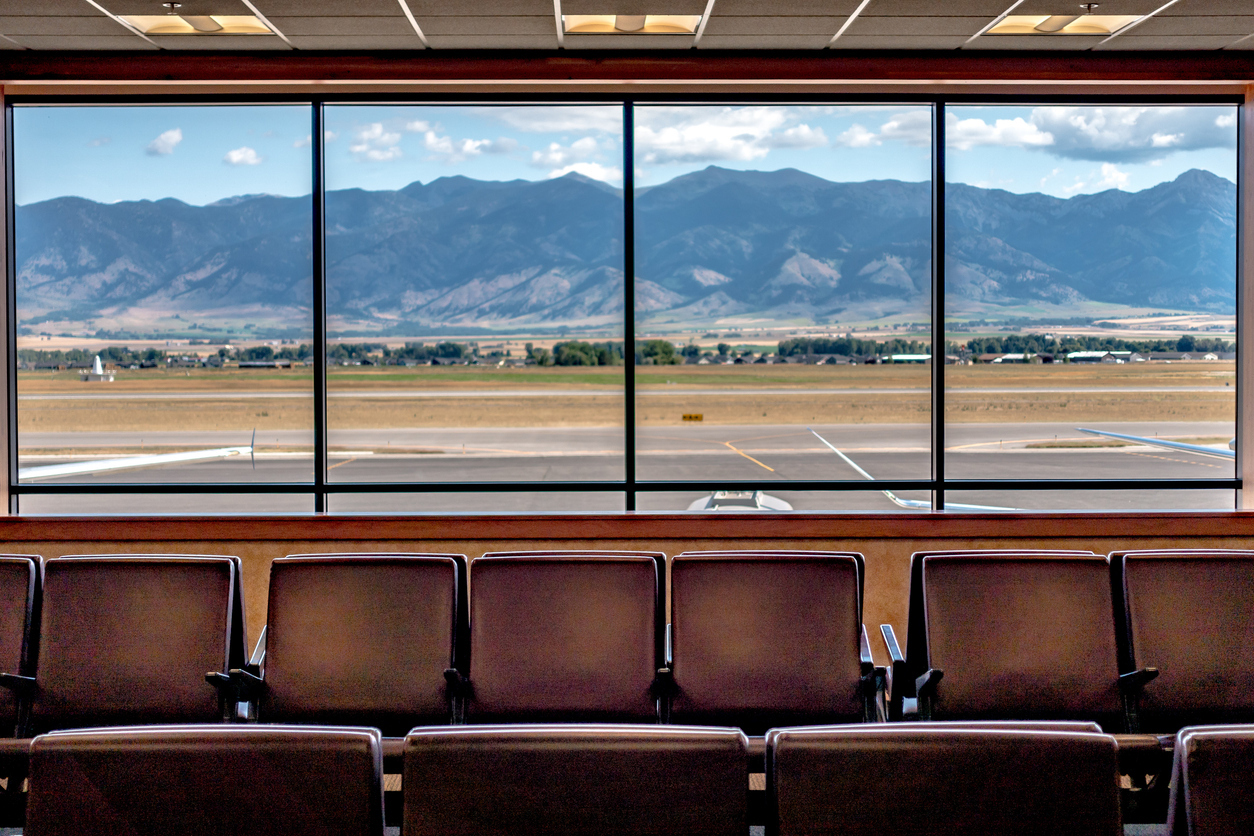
(259, 651)
(864, 651)
(1133, 681)
(897, 679)
(925, 691)
(1131, 685)
(16, 683)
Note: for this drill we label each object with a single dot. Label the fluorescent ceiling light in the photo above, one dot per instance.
(173, 24)
(1062, 24)
(630, 24)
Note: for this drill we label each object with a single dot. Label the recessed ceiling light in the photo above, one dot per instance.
(176, 24)
(630, 24)
(1086, 24)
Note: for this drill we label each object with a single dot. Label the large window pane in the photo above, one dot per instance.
(1091, 285)
(475, 294)
(783, 292)
(173, 243)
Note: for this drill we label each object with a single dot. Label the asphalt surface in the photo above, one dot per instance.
(686, 452)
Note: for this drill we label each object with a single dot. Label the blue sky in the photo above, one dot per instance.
(202, 154)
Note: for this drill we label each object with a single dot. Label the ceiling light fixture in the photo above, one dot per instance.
(177, 24)
(630, 24)
(848, 22)
(1085, 23)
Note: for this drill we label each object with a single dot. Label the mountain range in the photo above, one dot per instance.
(712, 244)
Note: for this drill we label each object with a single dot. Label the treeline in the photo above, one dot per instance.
(851, 346)
(1037, 344)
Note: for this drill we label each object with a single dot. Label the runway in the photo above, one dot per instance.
(706, 452)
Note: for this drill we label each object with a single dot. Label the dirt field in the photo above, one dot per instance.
(551, 396)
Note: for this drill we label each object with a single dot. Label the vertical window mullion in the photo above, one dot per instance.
(629, 307)
(938, 306)
(318, 244)
(1245, 302)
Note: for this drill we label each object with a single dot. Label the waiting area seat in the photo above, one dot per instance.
(911, 779)
(360, 639)
(206, 781)
(576, 780)
(1210, 788)
(565, 637)
(762, 639)
(19, 633)
(1189, 614)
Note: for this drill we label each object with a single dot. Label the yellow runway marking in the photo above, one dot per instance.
(1179, 461)
(338, 464)
(729, 446)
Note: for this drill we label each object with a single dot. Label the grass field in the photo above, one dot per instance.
(374, 398)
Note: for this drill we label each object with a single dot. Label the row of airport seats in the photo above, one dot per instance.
(605, 780)
(1141, 643)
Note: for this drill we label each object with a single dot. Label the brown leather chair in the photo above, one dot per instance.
(912, 779)
(127, 639)
(1017, 636)
(1210, 790)
(564, 637)
(19, 633)
(207, 781)
(576, 780)
(1190, 615)
(765, 639)
(362, 639)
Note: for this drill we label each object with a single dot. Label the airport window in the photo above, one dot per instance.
(361, 307)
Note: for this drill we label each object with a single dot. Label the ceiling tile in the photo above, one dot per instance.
(967, 26)
(1038, 42)
(326, 8)
(495, 41)
(781, 25)
(1212, 25)
(1127, 42)
(186, 43)
(490, 25)
(74, 8)
(357, 43)
(988, 9)
(189, 7)
(1208, 7)
(423, 8)
(808, 42)
(60, 25)
(634, 7)
(768, 8)
(359, 25)
(629, 41)
(851, 41)
(84, 42)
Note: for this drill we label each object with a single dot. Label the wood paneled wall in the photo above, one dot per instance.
(887, 540)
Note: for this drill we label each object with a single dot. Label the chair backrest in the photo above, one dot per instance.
(206, 780)
(19, 627)
(361, 639)
(765, 639)
(916, 630)
(902, 778)
(1022, 637)
(127, 639)
(564, 637)
(576, 780)
(1210, 787)
(1191, 615)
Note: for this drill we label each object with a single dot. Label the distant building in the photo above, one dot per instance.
(908, 358)
(1088, 357)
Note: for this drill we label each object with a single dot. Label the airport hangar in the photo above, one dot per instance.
(739, 50)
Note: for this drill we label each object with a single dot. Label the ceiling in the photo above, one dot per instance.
(386, 25)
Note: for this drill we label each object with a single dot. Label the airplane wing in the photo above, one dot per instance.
(1199, 449)
(916, 504)
(52, 471)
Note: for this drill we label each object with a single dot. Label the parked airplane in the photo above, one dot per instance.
(52, 471)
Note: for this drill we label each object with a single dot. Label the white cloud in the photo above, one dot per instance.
(165, 144)
(1226, 120)
(329, 136)
(696, 135)
(100, 140)
(913, 127)
(858, 137)
(459, 150)
(595, 171)
(1132, 134)
(376, 144)
(560, 155)
(570, 119)
(1112, 177)
(417, 127)
(965, 134)
(242, 156)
